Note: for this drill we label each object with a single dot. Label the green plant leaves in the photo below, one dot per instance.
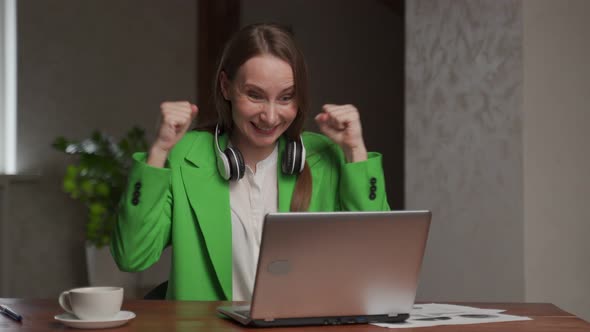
(99, 177)
(102, 189)
(60, 144)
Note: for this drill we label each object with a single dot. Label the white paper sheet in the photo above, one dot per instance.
(435, 314)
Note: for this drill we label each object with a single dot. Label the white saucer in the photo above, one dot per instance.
(120, 318)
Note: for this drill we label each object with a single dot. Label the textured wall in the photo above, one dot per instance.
(557, 154)
(464, 145)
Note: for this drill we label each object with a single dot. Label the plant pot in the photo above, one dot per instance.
(102, 271)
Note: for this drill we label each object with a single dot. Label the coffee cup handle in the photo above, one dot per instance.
(64, 301)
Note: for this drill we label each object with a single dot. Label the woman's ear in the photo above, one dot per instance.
(224, 81)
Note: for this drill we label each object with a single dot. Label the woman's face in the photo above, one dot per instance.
(263, 101)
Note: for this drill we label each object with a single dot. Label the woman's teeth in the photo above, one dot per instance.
(263, 128)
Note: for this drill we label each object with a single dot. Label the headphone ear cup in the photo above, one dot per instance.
(236, 163)
(241, 163)
(223, 165)
(303, 155)
(289, 158)
(299, 157)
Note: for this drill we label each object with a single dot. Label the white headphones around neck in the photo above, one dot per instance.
(231, 166)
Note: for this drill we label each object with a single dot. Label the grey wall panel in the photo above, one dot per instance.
(3, 240)
(95, 64)
(45, 239)
(86, 65)
(557, 154)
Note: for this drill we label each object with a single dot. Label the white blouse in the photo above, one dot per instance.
(251, 198)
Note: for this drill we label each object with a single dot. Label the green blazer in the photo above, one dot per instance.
(186, 205)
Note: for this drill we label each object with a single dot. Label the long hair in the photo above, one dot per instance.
(251, 41)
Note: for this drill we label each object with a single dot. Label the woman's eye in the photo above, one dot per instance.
(254, 95)
(286, 98)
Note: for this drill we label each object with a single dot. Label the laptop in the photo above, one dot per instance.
(332, 268)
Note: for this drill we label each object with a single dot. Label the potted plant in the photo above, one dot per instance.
(97, 179)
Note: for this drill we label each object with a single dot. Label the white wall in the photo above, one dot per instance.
(557, 153)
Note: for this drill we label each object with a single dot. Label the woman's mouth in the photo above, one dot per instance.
(263, 130)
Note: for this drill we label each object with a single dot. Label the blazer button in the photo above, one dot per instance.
(136, 194)
(137, 185)
(372, 196)
(373, 181)
(135, 201)
(373, 188)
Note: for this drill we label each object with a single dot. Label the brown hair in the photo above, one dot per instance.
(254, 40)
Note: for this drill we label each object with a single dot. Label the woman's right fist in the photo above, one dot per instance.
(176, 117)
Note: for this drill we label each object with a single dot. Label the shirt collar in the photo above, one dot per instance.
(269, 161)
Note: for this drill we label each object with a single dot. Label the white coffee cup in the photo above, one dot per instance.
(92, 303)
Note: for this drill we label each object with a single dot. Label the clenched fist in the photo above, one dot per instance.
(176, 118)
(342, 124)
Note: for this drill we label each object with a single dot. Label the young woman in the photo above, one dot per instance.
(205, 192)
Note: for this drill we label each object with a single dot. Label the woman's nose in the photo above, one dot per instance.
(269, 114)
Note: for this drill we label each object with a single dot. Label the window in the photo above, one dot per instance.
(8, 85)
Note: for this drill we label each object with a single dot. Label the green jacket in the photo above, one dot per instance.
(186, 205)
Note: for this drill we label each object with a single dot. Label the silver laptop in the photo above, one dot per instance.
(334, 268)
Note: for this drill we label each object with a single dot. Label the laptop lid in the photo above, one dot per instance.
(331, 264)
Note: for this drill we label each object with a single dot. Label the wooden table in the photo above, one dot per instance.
(201, 316)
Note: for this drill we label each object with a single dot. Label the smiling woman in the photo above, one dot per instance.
(177, 194)
(262, 96)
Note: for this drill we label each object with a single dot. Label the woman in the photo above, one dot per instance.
(179, 194)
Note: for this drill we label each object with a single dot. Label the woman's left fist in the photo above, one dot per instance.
(342, 124)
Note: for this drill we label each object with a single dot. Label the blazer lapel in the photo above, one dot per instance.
(313, 158)
(208, 195)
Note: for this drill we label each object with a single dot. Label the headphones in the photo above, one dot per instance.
(231, 166)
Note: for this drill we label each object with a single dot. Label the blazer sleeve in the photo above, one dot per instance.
(144, 219)
(362, 185)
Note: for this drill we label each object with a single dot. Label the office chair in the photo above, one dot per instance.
(157, 293)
